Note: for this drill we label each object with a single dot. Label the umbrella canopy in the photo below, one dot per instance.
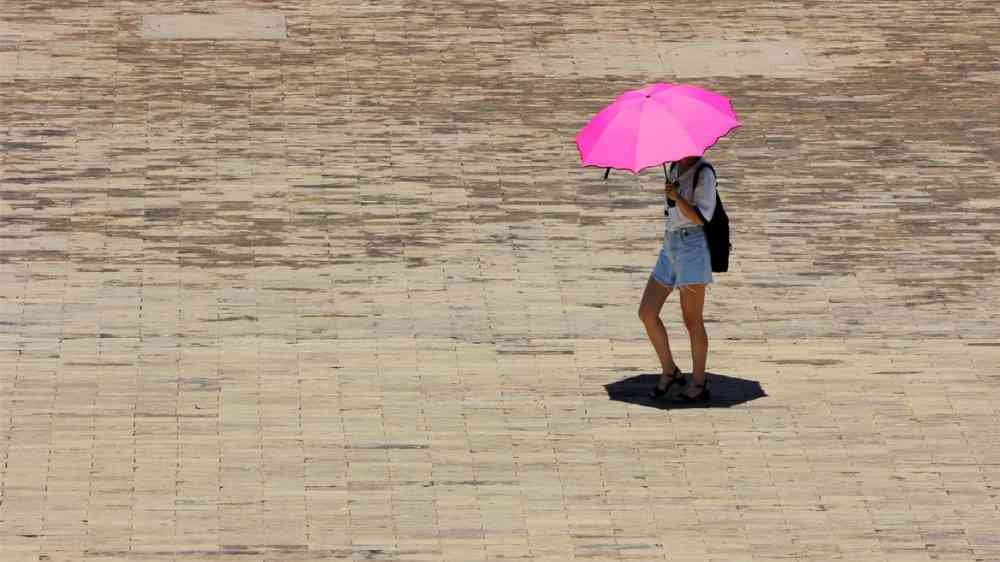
(656, 124)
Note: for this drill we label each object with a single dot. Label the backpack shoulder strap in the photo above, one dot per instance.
(694, 186)
(697, 174)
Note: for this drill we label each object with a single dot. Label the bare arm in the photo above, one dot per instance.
(686, 209)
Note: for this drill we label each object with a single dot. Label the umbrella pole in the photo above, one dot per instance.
(606, 172)
(665, 178)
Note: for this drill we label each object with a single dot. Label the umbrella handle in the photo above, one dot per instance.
(606, 172)
(666, 178)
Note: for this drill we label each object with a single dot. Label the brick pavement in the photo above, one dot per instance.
(348, 296)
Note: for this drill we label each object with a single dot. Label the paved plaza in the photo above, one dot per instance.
(341, 290)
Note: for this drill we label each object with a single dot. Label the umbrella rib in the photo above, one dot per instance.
(703, 103)
(635, 142)
(670, 115)
(607, 126)
(666, 115)
(735, 122)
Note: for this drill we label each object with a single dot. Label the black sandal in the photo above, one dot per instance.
(676, 378)
(703, 396)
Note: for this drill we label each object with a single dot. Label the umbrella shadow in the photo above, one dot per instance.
(726, 392)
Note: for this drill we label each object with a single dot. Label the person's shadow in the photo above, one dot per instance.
(725, 391)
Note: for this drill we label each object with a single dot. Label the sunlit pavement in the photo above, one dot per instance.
(346, 294)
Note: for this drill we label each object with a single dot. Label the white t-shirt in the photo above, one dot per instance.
(704, 196)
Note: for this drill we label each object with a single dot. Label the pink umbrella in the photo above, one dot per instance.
(653, 125)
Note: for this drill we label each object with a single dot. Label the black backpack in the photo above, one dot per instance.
(717, 229)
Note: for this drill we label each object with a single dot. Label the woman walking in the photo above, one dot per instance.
(683, 264)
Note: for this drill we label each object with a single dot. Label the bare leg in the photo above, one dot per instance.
(649, 312)
(692, 305)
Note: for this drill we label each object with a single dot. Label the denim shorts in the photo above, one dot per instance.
(684, 259)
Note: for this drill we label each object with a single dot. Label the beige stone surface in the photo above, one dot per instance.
(349, 295)
(237, 26)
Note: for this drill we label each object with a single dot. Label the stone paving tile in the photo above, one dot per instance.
(347, 295)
